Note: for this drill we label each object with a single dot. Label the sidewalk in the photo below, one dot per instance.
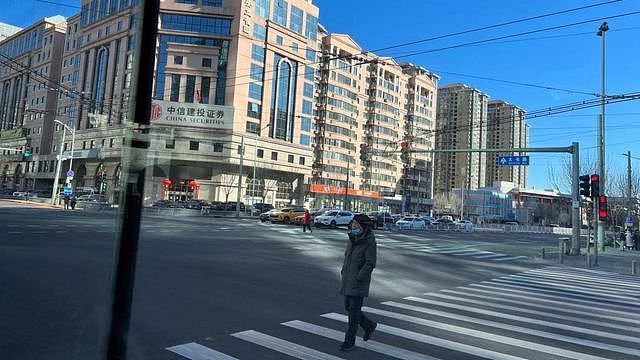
(612, 260)
(30, 203)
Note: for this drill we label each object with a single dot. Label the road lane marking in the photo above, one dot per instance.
(514, 279)
(371, 345)
(507, 340)
(493, 255)
(622, 285)
(551, 299)
(283, 346)
(195, 351)
(508, 258)
(522, 319)
(427, 339)
(461, 297)
(15, 232)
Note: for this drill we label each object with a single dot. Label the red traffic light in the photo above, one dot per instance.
(595, 177)
(404, 145)
(602, 199)
(602, 207)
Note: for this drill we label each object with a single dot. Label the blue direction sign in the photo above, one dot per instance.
(508, 160)
(68, 190)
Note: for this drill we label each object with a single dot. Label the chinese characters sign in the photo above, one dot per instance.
(191, 115)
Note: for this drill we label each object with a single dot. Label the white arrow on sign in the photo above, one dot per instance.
(503, 161)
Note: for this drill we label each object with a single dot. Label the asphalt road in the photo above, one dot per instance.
(212, 286)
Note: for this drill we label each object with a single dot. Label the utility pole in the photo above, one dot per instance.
(240, 177)
(629, 203)
(601, 137)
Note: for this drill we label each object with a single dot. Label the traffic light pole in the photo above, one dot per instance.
(575, 159)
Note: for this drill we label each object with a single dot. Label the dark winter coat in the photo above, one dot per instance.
(359, 261)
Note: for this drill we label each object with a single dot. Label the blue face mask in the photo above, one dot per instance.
(356, 231)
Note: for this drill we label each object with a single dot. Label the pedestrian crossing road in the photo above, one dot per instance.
(546, 313)
(409, 242)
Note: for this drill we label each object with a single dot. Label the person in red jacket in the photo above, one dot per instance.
(306, 221)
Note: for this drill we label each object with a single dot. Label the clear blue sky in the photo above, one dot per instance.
(568, 58)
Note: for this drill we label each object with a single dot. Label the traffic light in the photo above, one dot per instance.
(602, 207)
(595, 186)
(404, 152)
(26, 154)
(363, 153)
(585, 185)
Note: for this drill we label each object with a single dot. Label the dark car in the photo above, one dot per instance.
(164, 204)
(218, 205)
(196, 204)
(380, 219)
(231, 206)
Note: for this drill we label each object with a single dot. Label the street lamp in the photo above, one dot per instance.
(255, 157)
(601, 134)
(59, 157)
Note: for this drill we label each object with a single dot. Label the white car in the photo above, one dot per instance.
(464, 225)
(333, 218)
(411, 223)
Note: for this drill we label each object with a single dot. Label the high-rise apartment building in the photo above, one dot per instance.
(461, 124)
(506, 129)
(30, 62)
(368, 102)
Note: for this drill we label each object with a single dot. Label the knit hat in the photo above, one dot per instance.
(363, 220)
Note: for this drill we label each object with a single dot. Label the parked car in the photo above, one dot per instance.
(287, 215)
(164, 204)
(380, 219)
(231, 206)
(96, 198)
(411, 223)
(218, 205)
(20, 193)
(465, 225)
(333, 218)
(266, 216)
(196, 204)
(259, 208)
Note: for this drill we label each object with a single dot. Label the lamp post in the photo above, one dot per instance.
(255, 158)
(601, 135)
(54, 193)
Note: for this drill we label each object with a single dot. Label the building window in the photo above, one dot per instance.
(280, 12)
(197, 24)
(260, 153)
(177, 59)
(311, 54)
(307, 107)
(104, 141)
(256, 72)
(257, 53)
(252, 127)
(254, 110)
(301, 160)
(283, 96)
(92, 144)
(308, 90)
(205, 89)
(259, 32)
(84, 145)
(311, 28)
(190, 89)
(290, 159)
(175, 87)
(111, 141)
(217, 147)
(262, 8)
(296, 19)
(194, 145)
(206, 62)
(294, 47)
(255, 91)
(279, 40)
(305, 140)
(305, 124)
(309, 73)
(170, 144)
(100, 78)
(216, 3)
(274, 155)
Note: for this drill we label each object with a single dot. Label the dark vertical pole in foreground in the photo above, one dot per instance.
(131, 200)
(346, 186)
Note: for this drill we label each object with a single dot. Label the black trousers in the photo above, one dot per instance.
(305, 227)
(353, 306)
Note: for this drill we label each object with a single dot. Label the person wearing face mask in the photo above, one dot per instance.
(359, 261)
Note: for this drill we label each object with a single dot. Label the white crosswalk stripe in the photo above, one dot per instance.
(546, 313)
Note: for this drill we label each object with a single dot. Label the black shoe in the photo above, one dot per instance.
(369, 331)
(347, 346)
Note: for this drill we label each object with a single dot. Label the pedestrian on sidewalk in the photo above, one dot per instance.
(73, 202)
(359, 261)
(66, 202)
(306, 221)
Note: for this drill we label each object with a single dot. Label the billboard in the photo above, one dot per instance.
(196, 115)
